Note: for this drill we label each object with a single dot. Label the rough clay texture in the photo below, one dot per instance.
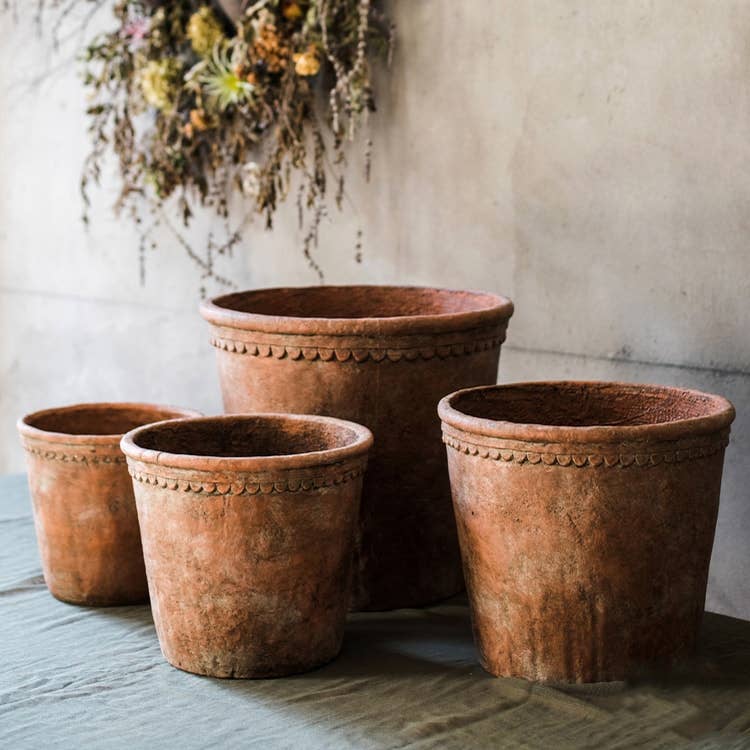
(585, 559)
(84, 510)
(249, 570)
(382, 357)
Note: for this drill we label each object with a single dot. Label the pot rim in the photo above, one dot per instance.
(498, 309)
(719, 415)
(360, 446)
(28, 430)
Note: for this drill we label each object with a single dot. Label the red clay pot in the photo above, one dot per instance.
(586, 515)
(383, 357)
(248, 528)
(84, 510)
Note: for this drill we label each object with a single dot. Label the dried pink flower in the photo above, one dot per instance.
(136, 30)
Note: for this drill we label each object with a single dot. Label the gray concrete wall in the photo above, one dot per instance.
(590, 160)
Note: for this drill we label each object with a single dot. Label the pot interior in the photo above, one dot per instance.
(586, 404)
(356, 302)
(98, 419)
(245, 437)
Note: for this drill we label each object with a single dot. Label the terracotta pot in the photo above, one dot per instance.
(586, 515)
(383, 357)
(84, 510)
(248, 528)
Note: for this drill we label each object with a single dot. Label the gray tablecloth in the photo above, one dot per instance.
(94, 678)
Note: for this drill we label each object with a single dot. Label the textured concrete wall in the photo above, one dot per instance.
(590, 160)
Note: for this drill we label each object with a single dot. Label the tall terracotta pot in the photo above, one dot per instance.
(248, 529)
(383, 357)
(586, 515)
(84, 510)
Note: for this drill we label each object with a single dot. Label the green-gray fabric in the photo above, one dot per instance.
(72, 677)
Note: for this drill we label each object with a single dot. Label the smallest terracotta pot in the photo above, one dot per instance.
(82, 496)
(248, 527)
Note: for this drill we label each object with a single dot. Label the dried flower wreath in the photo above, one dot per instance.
(196, 98)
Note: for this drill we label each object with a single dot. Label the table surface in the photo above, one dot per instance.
(78, 677)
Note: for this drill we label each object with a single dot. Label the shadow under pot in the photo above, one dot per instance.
(381, 356)
(248, 528)
(586, 515)
(82, 497)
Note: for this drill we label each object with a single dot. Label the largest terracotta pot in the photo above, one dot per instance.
(586, 513)
(381, 356)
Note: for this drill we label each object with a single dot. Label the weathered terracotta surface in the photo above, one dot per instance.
(248, 528)
(84, 510)
(586, 515)
(383, 357)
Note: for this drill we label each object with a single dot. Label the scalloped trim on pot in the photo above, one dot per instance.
(76, 458)
(583, 456)
(343, 354)
(248, 485)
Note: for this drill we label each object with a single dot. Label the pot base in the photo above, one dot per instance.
(255, 674)
(96, 601)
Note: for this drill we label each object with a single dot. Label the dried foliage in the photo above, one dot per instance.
(198, 99)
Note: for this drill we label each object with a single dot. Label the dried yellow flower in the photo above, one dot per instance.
(198, 119)
(291, 11)
(307, 63)
(204, 31)
(159, 82)
(269, 48)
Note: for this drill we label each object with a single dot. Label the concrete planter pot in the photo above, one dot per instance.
(248, 527)
(586, 515)
(383, 357)
(84, 510)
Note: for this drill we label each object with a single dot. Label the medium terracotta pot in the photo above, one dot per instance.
(586, 515)
(248, 527)
(84, 510)
(383, 357)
